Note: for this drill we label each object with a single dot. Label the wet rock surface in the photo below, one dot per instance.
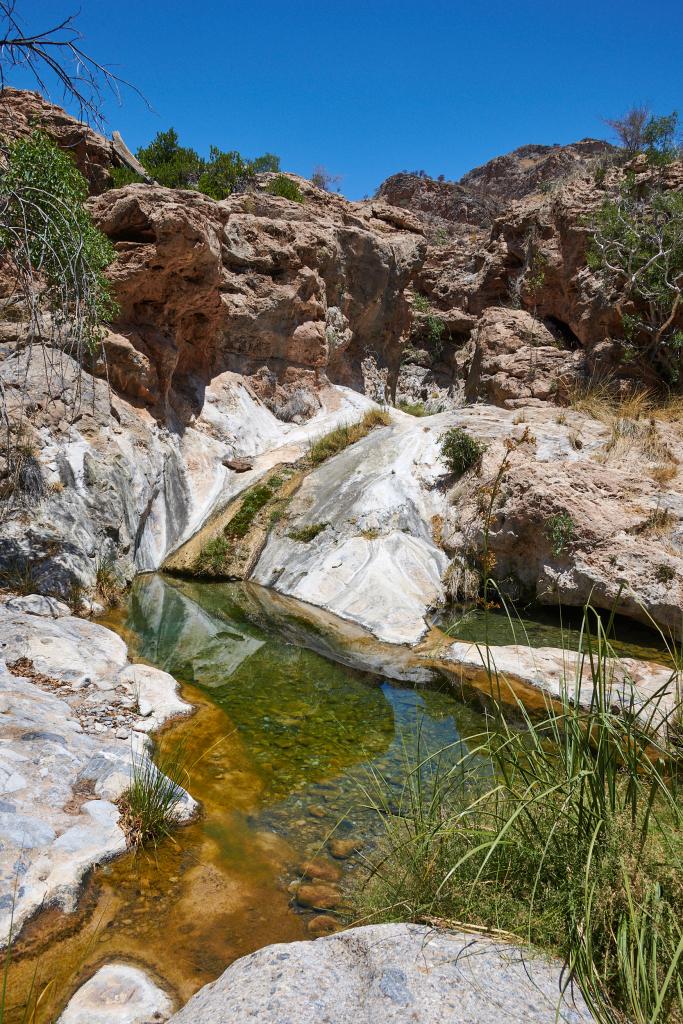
(388, 973)
(118, 994)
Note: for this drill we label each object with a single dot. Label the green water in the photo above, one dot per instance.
(315, 731)
(550, 627)
(281, 752)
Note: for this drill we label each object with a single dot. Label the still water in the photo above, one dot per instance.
(548, 626)
(284, 751)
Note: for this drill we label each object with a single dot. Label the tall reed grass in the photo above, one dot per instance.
(562, 832)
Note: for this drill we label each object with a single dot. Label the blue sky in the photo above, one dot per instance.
(368, 89)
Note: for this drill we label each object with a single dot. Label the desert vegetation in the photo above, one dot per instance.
(308, 533)
(149, 807)
(460, 451)
(563, 832)
(176, 166)
(341, 437)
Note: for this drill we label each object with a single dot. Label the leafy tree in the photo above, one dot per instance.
(660, 138)
(224, 174)
(640, 131)
(637, 247)
(629, 129)
(267, 162)
(171, 164)
(177, 166)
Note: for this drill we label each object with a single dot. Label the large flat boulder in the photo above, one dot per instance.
(392, 974)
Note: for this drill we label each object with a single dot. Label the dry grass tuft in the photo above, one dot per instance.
(341, 437)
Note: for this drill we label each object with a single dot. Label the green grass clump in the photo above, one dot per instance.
(308, 533)
(460, 451)
(563, 832)
(285, 187)
(421, 303)
(413, 408)
(341, 437)
(108, 584)
(150, 804)
(212, 556)
(252, 503)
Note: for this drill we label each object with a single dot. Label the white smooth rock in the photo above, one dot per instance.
(118, 994)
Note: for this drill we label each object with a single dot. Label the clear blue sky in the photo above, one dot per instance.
(371, 88)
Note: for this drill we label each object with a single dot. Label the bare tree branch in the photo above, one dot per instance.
(56, 53)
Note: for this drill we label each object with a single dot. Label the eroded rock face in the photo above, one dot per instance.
(121, 488)
(579, 515)
(483, 192)
(376, 559)
(390, 973)
(513, 358)
(235, 317)
(515, 233)
(284, 291)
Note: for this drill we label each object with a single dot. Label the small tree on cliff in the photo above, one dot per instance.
(637, 248)
(641, 131)
(171, 164)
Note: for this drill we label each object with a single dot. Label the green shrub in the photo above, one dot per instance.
(412, 408)
(177, 166)
(435, 332)
(44, 223)
(421, 303)
(659, 138)
(665, 574)
(252, 503)
(121, 176)
(285, 187)
(460, 451)
(308, 533)
(224, 173)
(212, 556)
(169, 163)
(560, 532)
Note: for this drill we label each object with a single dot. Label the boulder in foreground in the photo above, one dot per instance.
(390, 973)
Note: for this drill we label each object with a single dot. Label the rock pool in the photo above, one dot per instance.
(281, 752)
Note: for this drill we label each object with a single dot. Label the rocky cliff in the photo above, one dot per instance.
(484, 192)
(240, 321)
(251, 326)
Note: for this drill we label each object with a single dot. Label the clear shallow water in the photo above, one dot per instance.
(548, 627)
(282, 747)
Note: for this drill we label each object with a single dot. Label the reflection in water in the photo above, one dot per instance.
(283, 745)
(552, 627)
